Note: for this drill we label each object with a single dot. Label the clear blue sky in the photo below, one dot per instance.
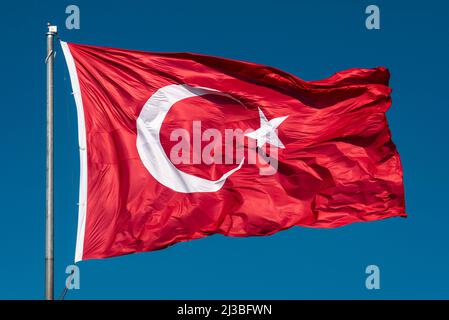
(311, 39)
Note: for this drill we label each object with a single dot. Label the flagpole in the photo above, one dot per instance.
(49, 276)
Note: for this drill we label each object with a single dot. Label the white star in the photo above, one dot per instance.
(266, 133)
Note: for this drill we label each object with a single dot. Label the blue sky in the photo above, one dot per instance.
(311, 39)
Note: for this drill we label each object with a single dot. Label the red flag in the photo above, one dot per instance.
(179, 146)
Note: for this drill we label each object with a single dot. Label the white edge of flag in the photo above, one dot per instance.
(82, 205)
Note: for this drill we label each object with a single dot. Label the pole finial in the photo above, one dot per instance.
(52, 29)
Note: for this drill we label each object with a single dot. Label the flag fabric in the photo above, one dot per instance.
(179, 146)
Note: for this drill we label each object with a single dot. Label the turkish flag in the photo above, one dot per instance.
(179, 146)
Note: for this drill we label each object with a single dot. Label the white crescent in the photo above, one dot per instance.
(149, 145)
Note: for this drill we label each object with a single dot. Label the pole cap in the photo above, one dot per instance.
(52, 29)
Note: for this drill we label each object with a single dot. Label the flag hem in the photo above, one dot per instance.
(82, 205)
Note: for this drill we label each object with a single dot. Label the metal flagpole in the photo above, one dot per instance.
(49, 291)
